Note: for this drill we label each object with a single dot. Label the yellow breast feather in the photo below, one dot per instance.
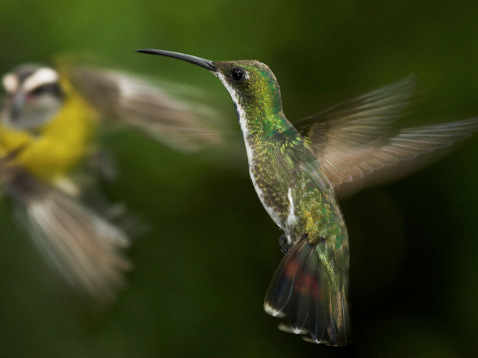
(60, 144)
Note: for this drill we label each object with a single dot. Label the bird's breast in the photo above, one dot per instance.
(268, 184)
(60, 144)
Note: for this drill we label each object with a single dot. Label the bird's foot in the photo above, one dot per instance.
(284, 244)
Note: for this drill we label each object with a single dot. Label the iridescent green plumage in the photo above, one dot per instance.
(298, 175)
(300, 199)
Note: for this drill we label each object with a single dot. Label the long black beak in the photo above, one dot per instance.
(207, 64)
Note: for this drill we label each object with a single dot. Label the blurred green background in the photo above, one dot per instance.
(202, 270)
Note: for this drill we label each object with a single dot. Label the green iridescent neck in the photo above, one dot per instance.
(264, 123)
(261, 104)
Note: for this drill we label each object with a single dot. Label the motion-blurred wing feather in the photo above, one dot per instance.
(360, 120)
(357, 146)
(185, 125)
(404, 153)
(82, 245)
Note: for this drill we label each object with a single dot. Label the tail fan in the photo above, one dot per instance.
(83, 246)
(309, 298)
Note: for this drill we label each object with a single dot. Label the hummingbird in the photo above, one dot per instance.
(300, 172)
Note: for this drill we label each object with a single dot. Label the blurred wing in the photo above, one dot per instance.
(83, 246)
(129, 99)
(411, 149)
(357, 147)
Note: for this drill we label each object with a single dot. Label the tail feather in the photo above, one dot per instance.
(81, 244)
(310, 301)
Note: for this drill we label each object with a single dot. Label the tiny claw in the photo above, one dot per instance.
(284, 244)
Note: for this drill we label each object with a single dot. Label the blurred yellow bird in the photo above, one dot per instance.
(47, 127)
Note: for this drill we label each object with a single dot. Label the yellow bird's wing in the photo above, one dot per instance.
(182, 124)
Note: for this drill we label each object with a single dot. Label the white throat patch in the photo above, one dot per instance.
(240, 111)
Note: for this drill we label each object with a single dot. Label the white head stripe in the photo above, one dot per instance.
(40, 77)
(10, 82)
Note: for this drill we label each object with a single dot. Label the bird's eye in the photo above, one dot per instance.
(238, 74)
(51, 88)
(39, 90)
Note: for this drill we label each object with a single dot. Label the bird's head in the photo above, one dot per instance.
(251, 84)
(33, 96)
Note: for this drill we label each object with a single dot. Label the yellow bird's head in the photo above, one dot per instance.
(34, 95)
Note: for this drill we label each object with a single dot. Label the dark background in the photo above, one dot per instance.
(202, 269)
